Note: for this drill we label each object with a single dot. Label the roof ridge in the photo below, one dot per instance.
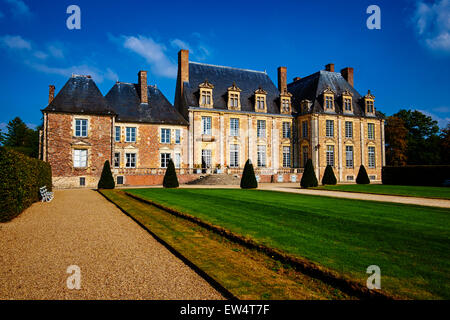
(214, 65)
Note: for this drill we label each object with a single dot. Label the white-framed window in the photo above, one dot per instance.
(117, 134)
(81, 127)
(348, 129)
(330, 156)
(206, 126)
(305, 129)
(371, 158)
(261, 128)
(350, 178)
(330, 128)
(130, 160)
(80, 158)
(165, 135)
(369, 104)
(234, 127)
(234, 155)
(329, 102)
(177, 136)
(165, 157)
(206, 98)
(234, 100)
(349, 156)
(371, 131)
(260, 102)
(130, 134)
(347, 104)
(206, 158)
(261, 156)
(177, 160)
(286, 157)
(285, 105)
(116, 159)
(305, 155)
(286, 130)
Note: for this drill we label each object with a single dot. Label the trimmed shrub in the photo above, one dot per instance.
(328, 176)
(309, 178)
(106, 180)
(248, 180)
(170, 177)
(418, 175)
(20, 180)
(362, 177)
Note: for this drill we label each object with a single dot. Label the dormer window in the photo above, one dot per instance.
(328, 97)
(234, 97)
(347, 101)
(206, 97)
(305, 105)
(260, 100)
(369, 103)
(285, 98)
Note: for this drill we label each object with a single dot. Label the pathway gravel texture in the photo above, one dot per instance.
(117, 258)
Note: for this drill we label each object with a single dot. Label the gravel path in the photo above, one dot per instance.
(117, 258)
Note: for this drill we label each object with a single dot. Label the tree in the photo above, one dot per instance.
(362, 177)
(170, 177)
(248, 180)
(328, 176)
(21, 138)
(396, 141)
(106, 180)
(445, 145)
(309, 176)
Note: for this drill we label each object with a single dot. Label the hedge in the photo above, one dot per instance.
(309, 178)
(106, 179)
(20, 180)
(417, 175)
(248, 179)
(170, 177)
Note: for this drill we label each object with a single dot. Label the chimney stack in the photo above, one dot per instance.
(347, 74)
(183, 76)
(297, 78)
(142, 75)
(330, 67)
(282, 83)
(51, 93)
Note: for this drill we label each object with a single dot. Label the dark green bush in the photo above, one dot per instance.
(170, 178)
(418, 175)
(20, 180)
(362, 177)
(248, 180)
(328, 176)
(106, 180)
(309, 178)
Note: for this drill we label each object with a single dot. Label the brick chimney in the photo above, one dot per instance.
(297, 78)
(282, 84)
(330, 67)
(183, 76)
(51, 93)
(347, 74)
(142, 75)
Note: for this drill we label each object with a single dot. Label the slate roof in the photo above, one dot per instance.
(222, 78)
(312, 87)
(80, 95)
(124, 99)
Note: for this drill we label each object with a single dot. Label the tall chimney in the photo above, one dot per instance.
(330, 67)
(183, 76)
(282, 84)
(347, 74)
(51, 93)
(142, 75)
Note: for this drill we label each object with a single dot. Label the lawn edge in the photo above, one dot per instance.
(300, 264)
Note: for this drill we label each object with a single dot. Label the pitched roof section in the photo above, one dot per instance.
(222, 78)
(80, 95)
(125, 100)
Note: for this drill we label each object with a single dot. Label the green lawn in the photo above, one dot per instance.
(413, 191)
(409, 243)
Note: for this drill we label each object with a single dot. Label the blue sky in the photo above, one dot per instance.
(405, 64)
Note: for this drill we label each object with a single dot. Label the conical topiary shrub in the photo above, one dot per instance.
(106, 180)
(248, 180)
(362, 177)
(328, 176)
(309, 176)
(170, 178)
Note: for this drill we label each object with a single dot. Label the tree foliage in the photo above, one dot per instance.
(396, 143)
(21, 138)
(328, 176)
(170, 177)
(362, 177)
(106, 180)
(309, 178)
(248, 180)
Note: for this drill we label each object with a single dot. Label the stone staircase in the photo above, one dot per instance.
(217, 179)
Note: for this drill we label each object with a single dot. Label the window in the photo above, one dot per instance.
(305, 129)
(286, 157)
(82, 181)
(347, 104)
(177, 160)
(372, 177)
(81, 127)
(371, 157)
(177, 136)
(119, 179)
(369, 106)
(305, 155)
(330, 156)
(330, 128)
(130, 160)
(206, 158)
(260, 102)
(261, 156)
(165, 135)
(349, 156)
(348, 129)
(286, 130)
(206, 98)
(116, 159)
(117, 135)
(165, 157)
(234, 155)
(350, 178)
(261, 128)
(371, 131)
(329, 104)
(206, 125)
(285, 105)
(130, 134)
(80, 158)
(234, 127)
(234, 100)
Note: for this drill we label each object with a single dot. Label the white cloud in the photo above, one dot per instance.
(56, 51)
(19, 8)
(432, 22)
(40, 55)
(15, 42)
(442, 120)
(180, 44)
